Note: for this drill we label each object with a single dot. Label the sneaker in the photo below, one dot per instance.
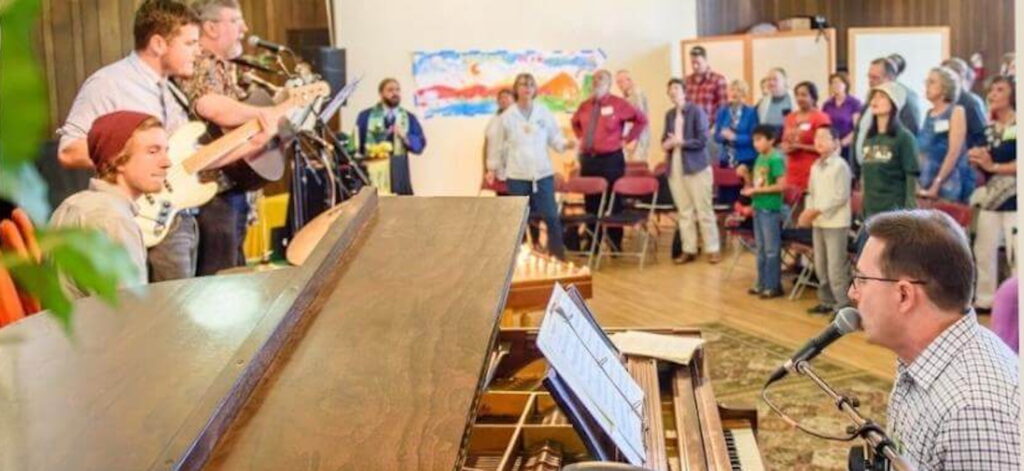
(754, 291)
(772, 293)
(820, 309)
(714, 257)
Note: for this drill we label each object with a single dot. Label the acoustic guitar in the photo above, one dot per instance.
(184, 187)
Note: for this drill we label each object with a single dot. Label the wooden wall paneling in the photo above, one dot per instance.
(45, 40)
(62, 62)
(92, 57)
(111, 29)
(77, 37)
(79, 40)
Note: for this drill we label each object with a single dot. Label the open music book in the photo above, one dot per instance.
(589, 381)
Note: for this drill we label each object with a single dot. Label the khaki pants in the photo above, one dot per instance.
(994, 228)
(832, 265)
(692, 195)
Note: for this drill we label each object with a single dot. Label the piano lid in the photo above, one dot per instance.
(392, 316)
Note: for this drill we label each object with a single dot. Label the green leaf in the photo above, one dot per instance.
(43, 282)
(87, 257)
(23, 113)
(94, 262)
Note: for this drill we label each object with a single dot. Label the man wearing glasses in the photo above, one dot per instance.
(954, 402)
(216, 97)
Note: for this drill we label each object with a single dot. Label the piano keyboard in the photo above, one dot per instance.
(742, 446)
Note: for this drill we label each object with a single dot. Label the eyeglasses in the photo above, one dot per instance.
(859, 280)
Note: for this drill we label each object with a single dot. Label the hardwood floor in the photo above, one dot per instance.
(665, 294)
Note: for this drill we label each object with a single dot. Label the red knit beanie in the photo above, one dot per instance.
(110, 133)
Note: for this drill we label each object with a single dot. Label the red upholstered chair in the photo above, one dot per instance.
(575, 216)
(634, 169)
(630, 189)
(961, 213)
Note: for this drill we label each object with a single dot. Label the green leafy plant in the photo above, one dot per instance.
(88, 258)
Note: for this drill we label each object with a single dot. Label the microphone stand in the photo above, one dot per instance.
(881, 448)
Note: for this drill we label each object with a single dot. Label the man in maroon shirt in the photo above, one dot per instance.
(599, 125)
(704, 87)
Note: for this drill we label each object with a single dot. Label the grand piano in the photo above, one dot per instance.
(377, 353)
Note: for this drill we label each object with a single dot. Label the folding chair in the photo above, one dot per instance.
(575, 216)
(637, 169)
(664, 205)
(724, 177)
(794, 246)
(634, 188)
(961, 213)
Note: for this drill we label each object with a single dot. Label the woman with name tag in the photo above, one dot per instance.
(997, 200)
(798, 134)
(519, 155)
(944, 169)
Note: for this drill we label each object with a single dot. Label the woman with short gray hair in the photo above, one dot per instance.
(941, 141)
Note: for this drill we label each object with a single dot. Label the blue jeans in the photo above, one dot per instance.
(222, 227)
(768, 234)
(542, 203)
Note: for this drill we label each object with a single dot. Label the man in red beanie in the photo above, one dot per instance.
(129, 151)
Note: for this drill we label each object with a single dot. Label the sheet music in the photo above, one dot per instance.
(666, 347)
(579, 352)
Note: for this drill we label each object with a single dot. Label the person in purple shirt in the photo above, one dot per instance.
(1005, 313)
(843, 109)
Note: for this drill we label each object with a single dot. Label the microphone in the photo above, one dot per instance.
(256, 41)
(846, 321)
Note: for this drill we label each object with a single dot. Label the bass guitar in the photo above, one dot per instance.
(185, 187)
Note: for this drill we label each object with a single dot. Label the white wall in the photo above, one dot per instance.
(380, 36)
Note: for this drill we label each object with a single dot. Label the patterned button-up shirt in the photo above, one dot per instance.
(708, 91)
(212, 75)
(956, 406)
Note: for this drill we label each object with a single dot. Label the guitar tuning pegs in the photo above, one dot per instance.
(149, 199)
(167, 184)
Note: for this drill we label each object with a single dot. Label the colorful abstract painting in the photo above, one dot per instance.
(465, 83)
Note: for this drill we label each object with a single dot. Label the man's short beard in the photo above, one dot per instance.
(393, 102)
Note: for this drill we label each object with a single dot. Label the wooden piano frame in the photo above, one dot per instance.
(506, 423)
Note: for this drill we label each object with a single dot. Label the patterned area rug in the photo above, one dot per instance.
(740, 363)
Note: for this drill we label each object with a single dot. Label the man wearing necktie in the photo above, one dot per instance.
(166, 34)
(599, 124)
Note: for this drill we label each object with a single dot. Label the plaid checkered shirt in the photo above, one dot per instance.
(708, 91)
(956, 406)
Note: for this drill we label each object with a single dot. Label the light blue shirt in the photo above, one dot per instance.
(126, 85)
(517, 144)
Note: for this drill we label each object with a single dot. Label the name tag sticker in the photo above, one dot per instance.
(805, 127)
(607, 111)
(942, 125)
(1010, 133)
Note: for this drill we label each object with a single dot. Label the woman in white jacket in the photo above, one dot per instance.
(518, 153)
